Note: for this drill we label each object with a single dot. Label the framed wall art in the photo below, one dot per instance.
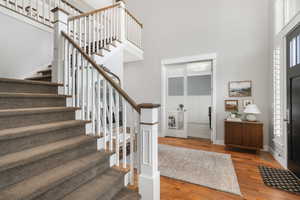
(240, 88)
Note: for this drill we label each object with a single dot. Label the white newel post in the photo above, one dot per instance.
(149, 178)
(60, 24)
(122, 21)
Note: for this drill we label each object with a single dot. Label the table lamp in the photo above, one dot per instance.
(251, 110)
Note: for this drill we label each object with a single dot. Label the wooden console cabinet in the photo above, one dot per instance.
(246, 135)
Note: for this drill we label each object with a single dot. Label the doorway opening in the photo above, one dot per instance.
(188, 97)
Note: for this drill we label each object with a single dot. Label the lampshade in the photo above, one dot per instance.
(252, 109)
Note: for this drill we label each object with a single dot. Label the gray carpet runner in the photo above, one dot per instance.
(45, 153)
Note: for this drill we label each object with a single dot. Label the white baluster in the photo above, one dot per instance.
(96, 33)
(99, 102)
(82, 88)
(101, 28)
(66, 65)
(105, 29)
(89, 34)
(132, 135)
(73, 77)
(87, 115)
(124, 124)
(105, 112)
(117, 115)
(93, 98)
(111, 118)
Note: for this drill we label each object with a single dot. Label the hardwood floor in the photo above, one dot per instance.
(245, 164)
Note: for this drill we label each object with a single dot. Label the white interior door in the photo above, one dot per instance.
(176, 113)
(199, 99)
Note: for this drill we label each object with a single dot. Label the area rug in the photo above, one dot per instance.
(280, 179)
(210, 169)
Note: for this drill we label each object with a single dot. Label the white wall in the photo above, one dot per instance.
(24, 48)
(116, 64)
(238, 31)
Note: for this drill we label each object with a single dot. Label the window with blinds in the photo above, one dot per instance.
(277, 93)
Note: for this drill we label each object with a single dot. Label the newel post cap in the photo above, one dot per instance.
(149, 113)
(148, 106)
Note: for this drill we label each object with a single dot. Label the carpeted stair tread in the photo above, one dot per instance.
(127, 194)
(102, 187)
(30, 155)
(30, 95)
(25, 111)
(37, 185)
(13, 133)
(10, 80)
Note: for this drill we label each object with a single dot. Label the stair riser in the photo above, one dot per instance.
(28, 102)
(34, 119)
(27, 88)
(21, 172)
(47, 79)
(22, 143)
(44, 73)
(108, 195)
(59, 191)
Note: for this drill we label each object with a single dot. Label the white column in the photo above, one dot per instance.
(122, 21)
(60, 24)
(149, 178)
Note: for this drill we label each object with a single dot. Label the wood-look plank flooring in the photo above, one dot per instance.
(245, 164)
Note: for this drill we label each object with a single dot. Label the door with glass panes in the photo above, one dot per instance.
(188, 100)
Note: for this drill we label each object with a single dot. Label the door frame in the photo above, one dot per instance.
(280, 42)
(196, 58)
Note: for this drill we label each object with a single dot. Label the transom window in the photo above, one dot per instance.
(294, 51)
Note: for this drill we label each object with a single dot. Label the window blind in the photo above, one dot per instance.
(277, 115)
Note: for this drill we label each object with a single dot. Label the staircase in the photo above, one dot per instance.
(46, 153)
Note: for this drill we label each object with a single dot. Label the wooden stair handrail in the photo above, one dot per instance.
(103, 73)
(134, 18)
(93, 12)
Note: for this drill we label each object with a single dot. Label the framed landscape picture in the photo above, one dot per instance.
(240, 88)
(231, 105)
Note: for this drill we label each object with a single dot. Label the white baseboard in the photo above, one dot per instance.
(266, 148)
(219, 142)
